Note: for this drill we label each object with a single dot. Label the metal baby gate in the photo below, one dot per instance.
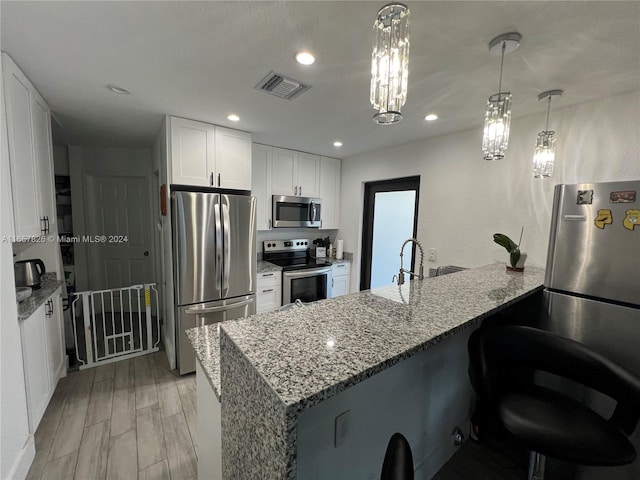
(110, 325)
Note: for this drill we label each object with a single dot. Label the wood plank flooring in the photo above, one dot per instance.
(137, 419)
(126, 420)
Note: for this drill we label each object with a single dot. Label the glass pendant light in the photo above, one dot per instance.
(545, 154)
(390, 63)
(497, 118)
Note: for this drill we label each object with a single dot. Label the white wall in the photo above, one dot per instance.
(464, 199)
(16, 447)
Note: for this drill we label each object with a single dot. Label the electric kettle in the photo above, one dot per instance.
(29, 272)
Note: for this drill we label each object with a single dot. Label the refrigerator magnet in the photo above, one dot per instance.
(632, 220)
(585, 197)
(604, 218)
(628, 196)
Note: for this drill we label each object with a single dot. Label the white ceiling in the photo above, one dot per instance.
(202, 60)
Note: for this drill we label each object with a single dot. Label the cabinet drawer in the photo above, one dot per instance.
(341, 268)
(268, 298)
(268, 279)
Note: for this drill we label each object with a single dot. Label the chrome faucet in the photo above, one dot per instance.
(402, 271)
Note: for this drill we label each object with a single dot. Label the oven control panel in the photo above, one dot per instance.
(270, 246)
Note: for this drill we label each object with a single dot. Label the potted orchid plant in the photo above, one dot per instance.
(516, 258)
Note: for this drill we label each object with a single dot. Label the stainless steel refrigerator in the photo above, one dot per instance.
(214, 254)
(592, 283)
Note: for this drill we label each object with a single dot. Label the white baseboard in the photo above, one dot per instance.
(23, 461)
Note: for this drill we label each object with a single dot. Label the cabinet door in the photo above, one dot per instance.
(261, 184)
(340, 286)
(192, 152)
(55, 348)
(35, 359)
(330, 192)
(24, 178)
(233, 158)
(283, 169)
(308, 175)
(268, 298)
(41, 124)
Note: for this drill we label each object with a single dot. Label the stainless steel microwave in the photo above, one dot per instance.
(295, 212)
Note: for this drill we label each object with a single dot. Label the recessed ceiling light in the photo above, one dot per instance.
(305, 58)
(337, 143)
(431, 117)
(233, 117)
(119, 90)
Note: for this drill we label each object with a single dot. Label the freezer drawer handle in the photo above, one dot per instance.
(198, 311)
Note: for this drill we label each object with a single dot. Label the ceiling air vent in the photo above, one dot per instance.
(281, 86)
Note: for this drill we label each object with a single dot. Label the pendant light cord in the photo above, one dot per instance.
(546, 128)
(504, 46)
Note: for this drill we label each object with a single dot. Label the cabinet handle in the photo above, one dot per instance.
(219, 183)
(46, 219)
(268, 275)
(211, 179)
(300, 190)
(332, 282)
(295, 190)
(340, 265)
(43, 225)
(267, 291)
(269, 224)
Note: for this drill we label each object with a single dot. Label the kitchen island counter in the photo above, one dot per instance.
(276, 365)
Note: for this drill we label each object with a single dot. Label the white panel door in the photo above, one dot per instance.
(261, 184)
(330, 192)
(118, 208)
(35, 359)
(192, 152)
(233, 158)
(308, 175)
(41, 123)
(283, 171)
(24, 178)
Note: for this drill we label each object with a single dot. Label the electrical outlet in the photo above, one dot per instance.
(432, 254)
(342, 428)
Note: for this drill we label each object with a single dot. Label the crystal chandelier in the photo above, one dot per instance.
(497, 118)
(545, 154)
(390, 63)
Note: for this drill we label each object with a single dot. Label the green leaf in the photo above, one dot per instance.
(505, 242)
(514, 257)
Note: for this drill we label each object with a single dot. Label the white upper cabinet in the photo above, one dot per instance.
(43, 152)
(24, 168)
(261, 184)
(308, 174)
(330, 192)
(204, 155)
(192, 152)
(295, 173)
(233, 158)
(283, 172)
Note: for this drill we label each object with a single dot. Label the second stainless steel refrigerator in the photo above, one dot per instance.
(214, 253)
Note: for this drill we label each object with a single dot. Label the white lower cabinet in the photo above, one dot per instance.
(209, 429)
(42, 356)
(341, 275)
(269, 295)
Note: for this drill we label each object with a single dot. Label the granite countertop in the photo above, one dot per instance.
(313, 353)
(263, 267)
(206, 343)
(48, 285)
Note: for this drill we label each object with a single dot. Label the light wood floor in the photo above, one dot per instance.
(127, 420)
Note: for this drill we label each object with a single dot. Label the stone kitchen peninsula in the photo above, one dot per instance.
(316, 392)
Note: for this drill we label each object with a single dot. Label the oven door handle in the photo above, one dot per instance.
(307, 272)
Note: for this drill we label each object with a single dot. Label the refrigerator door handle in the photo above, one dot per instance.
(226, 245)
(219, 308)
(219, 252)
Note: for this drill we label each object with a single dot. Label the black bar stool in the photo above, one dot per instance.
(545, 421)
(398, 459)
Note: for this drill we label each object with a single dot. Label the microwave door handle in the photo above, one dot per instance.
(312, 211)
(226, 242)
(219, 253)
